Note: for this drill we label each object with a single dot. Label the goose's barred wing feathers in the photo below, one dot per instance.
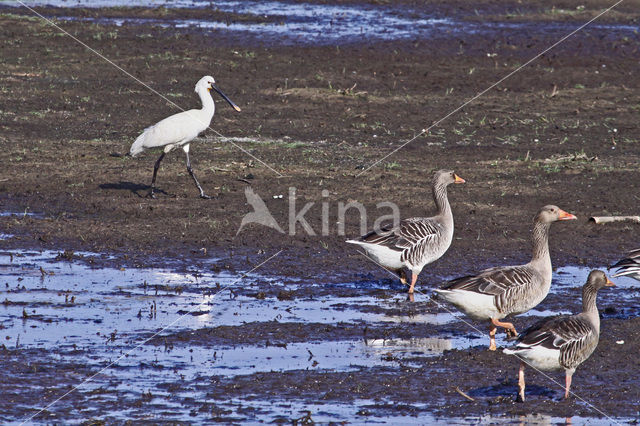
(629, 265)
(409, 234)
(573, 336)
(494, 281)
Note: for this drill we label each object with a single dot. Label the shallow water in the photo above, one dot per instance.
(21, 214)
(326, 24)
(39, 289)
(100, 316)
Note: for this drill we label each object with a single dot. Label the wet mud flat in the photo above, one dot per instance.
(319, 329)
(161, 345)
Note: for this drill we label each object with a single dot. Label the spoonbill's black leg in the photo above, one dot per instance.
(155, 172)
(190, 170)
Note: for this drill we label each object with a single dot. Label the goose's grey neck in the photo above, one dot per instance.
(541, 243)
(589, 295)
(440, 197)
(589, 307)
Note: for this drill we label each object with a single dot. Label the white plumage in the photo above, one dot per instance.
(173, 131)
(180, 129)
(541, 357)
(381, 254)
(477, 306)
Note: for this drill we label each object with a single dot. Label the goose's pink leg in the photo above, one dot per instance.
(492, 337)
(521, 383)
(567, 381)
(511, 330)
(414, 278)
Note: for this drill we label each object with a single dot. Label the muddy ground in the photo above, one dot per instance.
(563, 130)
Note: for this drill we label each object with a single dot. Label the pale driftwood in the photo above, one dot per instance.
(464, 394)
(607, 219)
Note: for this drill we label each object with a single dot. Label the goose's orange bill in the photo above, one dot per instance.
(566, 216)
(458, 179)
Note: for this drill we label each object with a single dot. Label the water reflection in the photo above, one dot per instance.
(428, 344)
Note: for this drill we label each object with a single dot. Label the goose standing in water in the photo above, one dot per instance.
(629, 266)
(180, 129)
(417, 241)
(562, 342)
(505, 290)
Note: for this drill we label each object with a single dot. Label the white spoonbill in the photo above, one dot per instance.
(180, 129)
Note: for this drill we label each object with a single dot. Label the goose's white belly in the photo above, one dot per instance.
(476, 305)
(539, 357)
(383, 255)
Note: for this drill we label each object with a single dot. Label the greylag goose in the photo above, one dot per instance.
(497, 292)
(629, 266)
(180, 129)
(417, 241)
(565, 341)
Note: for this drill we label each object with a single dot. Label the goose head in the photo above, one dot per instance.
(446, 177)
(597, 280)
(552, 213)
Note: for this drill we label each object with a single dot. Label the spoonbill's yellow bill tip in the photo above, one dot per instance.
(237, 108)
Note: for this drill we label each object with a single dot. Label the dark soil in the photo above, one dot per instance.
(562, 131)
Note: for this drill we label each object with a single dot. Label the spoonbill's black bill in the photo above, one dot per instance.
(225, 97)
